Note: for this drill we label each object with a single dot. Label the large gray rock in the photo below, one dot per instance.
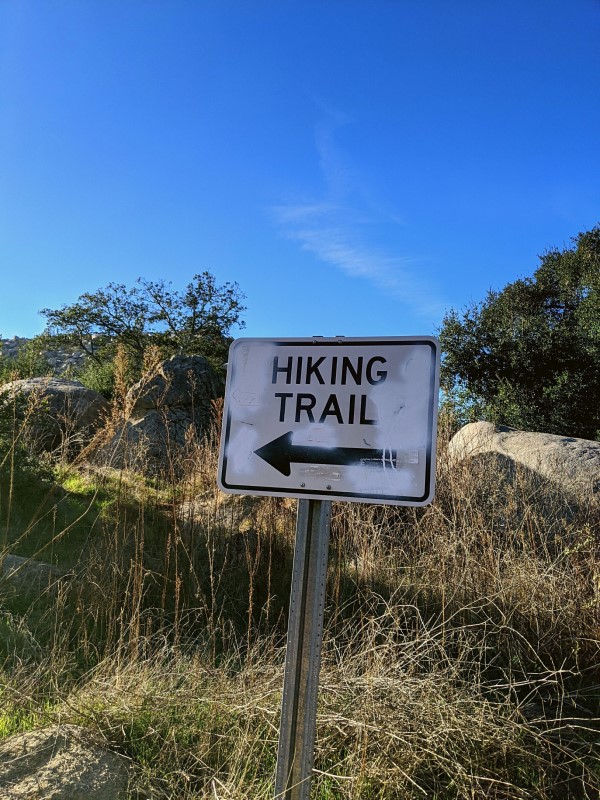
(65, 412)
(572, 464)
(164, 414)
(182, 382)
(61, 763)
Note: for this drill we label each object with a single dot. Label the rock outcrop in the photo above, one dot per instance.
(63, 412)
(164, 413)
(61, 763)
(573, 464)
(61, 360)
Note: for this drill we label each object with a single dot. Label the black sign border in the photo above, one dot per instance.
(337, 495)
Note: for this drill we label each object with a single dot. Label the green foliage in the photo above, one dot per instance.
(17, 718)
(529, 355)
(197, 320)
(28, 363)
(98, 376)
(18, 462)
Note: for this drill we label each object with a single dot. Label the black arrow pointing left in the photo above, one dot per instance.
(281, 454)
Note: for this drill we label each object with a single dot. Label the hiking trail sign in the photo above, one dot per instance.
(325, 419)
(331, 418)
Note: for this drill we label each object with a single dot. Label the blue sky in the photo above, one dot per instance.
(357, 166)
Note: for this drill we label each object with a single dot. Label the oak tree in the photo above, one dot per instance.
(197, 320)
(529, 355)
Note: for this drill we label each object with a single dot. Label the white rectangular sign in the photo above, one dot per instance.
(342, 419)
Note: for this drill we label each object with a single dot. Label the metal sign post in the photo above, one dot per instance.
(303, 654)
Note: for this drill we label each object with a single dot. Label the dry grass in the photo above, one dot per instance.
(461, 654)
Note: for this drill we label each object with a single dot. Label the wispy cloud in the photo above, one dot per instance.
(338, 246)
(338, 227)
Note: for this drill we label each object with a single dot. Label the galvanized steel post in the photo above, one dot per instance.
(295, 755)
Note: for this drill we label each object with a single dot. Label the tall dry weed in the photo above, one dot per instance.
(461, 647)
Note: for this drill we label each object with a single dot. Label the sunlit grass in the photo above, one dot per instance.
(461, 648)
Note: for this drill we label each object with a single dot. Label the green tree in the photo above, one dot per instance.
(197, 320)
(529, 355)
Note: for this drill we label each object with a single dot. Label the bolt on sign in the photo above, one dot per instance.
(339, 419)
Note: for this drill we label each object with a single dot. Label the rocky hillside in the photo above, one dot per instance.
(62, 360)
